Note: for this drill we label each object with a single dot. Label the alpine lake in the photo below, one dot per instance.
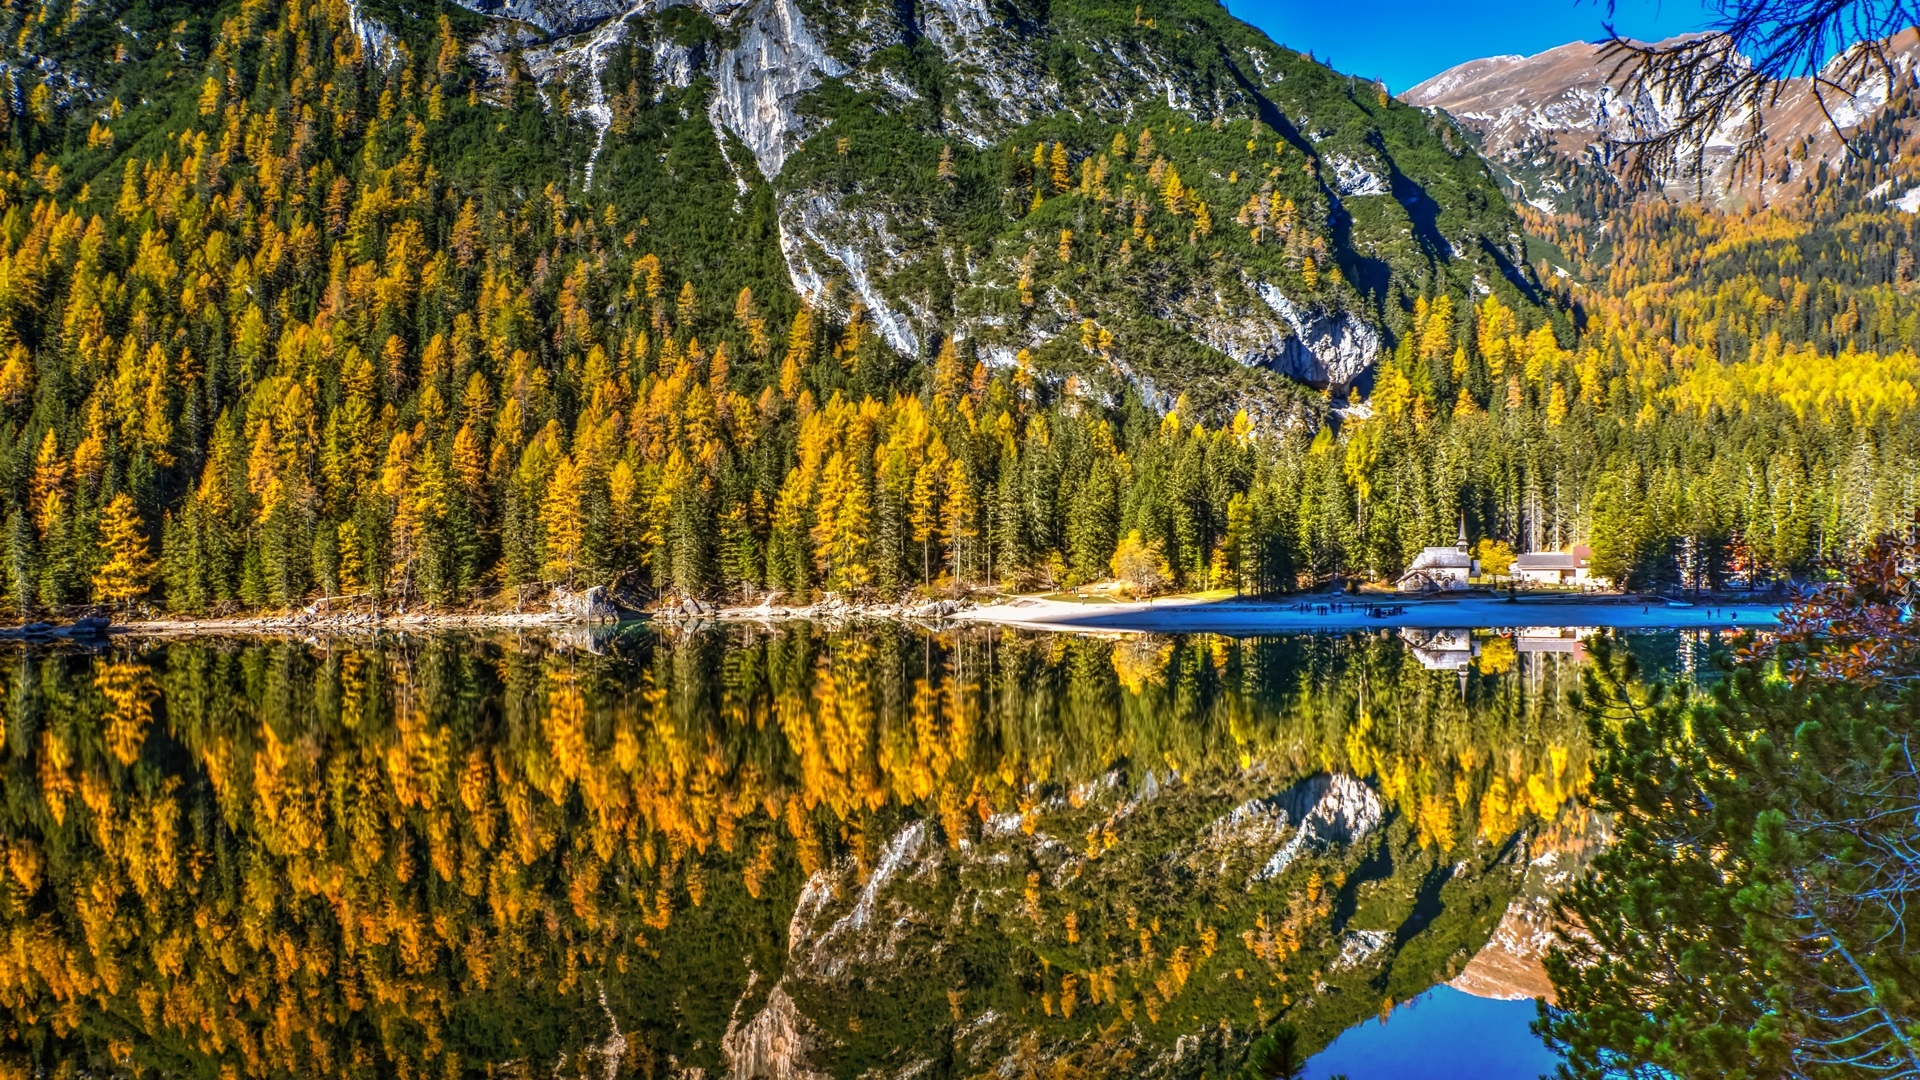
(788, 851)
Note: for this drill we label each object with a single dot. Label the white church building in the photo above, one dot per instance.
(1441, 569)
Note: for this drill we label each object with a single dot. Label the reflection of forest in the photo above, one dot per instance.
(450, 856)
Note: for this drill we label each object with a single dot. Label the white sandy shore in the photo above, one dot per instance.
(1177, 616)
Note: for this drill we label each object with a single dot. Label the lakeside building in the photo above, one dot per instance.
(1441, 569)
(1571, 567)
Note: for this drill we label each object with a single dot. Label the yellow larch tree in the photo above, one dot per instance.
(49, 479)
(129, 565)
(561, 518)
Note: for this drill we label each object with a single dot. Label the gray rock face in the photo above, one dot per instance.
(821, 240)
(773, 1045)
(554, 16)
(866, 934)
(758, 82)
(1315, 813)
(776, 58)
(589, 605)
(1325, 350)
(851, 246)
(374, 36)
(579, 62)
(1355, 179)
(954, 24)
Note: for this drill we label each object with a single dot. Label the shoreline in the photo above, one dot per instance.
(271, 624)
(1253, 617)
(1173, 615)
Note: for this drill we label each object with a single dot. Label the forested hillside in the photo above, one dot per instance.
(319, 298)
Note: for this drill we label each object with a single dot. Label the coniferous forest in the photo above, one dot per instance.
(318, 318)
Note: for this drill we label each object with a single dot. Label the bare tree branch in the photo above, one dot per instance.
(1718, 86)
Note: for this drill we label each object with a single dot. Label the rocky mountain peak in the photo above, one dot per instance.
(1567, 104)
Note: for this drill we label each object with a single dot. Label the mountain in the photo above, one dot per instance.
(1545, 121)
(977, 169)
(895, 148)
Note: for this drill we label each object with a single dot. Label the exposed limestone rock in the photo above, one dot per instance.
(1316, 813)
(1353, 179)
(1359, 946)
(1334, 809)
(374, 35)
(758, 82)
(848, 242)
(579, 62)
(559, 17)
(676, 65)
(488, 51)
(1326, 350)
(815, 231)
(856, 938)
(588, 605)
(1509, 967)
(773, 1045)
(952, 24)
(1252, 335)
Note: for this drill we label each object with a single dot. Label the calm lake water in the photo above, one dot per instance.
(745, 852)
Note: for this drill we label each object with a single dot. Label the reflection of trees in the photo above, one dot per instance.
(440, 853)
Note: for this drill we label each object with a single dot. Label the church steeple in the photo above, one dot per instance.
(1462, 542)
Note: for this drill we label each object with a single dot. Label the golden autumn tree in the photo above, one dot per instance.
(561, 517)
(129, 566)
(49, 480)
(1142, 564)
(842, 523)
(961, 507)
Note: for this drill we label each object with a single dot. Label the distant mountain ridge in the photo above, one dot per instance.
(1562, 106)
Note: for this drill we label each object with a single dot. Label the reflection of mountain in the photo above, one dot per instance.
(1511, 964)
(1023, 945)
(757, 853)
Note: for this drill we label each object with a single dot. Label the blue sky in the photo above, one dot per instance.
(1404, 41)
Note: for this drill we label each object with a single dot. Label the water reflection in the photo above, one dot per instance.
(762, 852)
